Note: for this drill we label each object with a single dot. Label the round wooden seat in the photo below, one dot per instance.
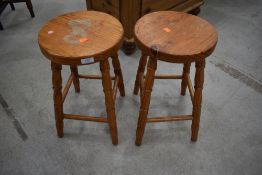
(71, 37)
(175, 35)
(81, 38)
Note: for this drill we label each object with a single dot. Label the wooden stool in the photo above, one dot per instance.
(83, 38)
(173, 37)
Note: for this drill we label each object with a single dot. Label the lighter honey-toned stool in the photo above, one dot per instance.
(84, 38)
(172, 37)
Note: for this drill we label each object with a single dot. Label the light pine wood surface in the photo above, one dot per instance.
(73, 36)
(174, 37)
(84, 38)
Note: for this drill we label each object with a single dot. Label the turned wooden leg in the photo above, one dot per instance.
(109, 102)
(199, 81)
(30, 8)
(57, 96)
(144, 106)
(140, 70)
(74, 70)
(12, 6)
(118, 72)
(186, 70)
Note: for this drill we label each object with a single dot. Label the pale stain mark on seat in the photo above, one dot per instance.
(79, 31)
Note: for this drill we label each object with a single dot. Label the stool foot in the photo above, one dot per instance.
(186, 70)
(76, 82)
(57, 96)
(138, 142)
(109, 102)
(118, 72)
(140, 70)
(199, 81)
(60, 134)
(149, 82)
(194, 139)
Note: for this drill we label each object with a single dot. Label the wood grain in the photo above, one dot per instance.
(84, 38)
(189, 6)
(151, 5)
(86, 118)
(188, 37)
(166, 76)
(184, 82)
(92, 77)
(145, 101)
(74, 71)
(129, 11)
(92, 35)
(57, 96)
(108, 6)
(67, 87)
(118, 72)
(173, 37)
(190, 87)
(140, 71)
(199, 81)
(169, 118)
(109, 101)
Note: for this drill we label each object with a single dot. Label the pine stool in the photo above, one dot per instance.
(173, 37)
(84, 38)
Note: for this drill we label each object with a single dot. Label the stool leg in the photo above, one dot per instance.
(12, 5)
(199, 81)
(74, 70)
(57, 96)
(118, 72)
(144, 106)
(109, 102)
(1, 26)
(30, 8)
(140, 70)
(186, 70)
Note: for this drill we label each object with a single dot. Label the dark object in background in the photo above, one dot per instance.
(4, 3)
(129, 11)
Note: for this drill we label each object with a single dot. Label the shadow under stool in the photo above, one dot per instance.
(173, 37)
(84, 38)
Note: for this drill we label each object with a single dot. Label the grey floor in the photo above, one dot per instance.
(230, 137)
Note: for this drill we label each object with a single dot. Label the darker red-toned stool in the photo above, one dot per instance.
(173, 37)
(84, 38)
